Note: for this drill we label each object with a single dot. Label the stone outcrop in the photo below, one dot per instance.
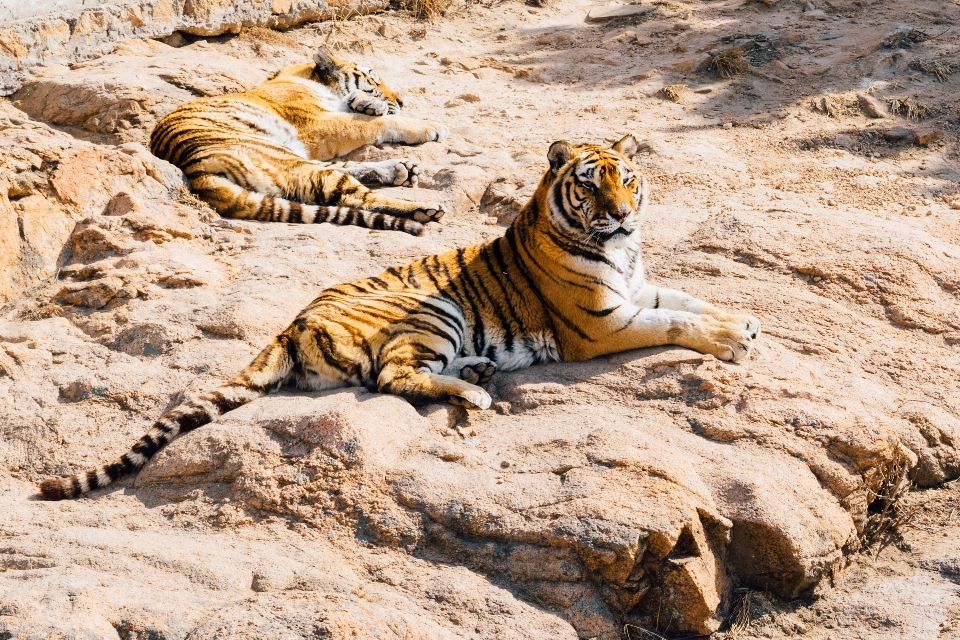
(40, 39)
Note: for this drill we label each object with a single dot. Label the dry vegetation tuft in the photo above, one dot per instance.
(909, 108)
(939, 69)
(905, 39)
(727, 64)
(428, 9)
(673, 92)
(738, 622)
(835, 105)
(890, 514)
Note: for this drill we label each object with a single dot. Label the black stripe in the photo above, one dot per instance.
(598, 314)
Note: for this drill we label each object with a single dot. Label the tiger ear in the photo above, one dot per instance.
(326, 65)
(559, 154)
(626, 146)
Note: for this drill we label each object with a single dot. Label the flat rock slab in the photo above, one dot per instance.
(612, 12)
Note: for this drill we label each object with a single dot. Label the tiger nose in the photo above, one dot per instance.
(621, 212)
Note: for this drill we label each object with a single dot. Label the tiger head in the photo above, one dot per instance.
(594, 194)
(344, 77)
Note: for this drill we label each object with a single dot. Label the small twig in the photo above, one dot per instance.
(646, 633)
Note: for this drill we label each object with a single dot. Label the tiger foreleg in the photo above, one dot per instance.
(420, 385)
(400, 172)
(397, 129)
(654, 297)
(635, 328)
(336, 188)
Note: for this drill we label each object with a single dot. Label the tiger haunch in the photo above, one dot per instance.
(263, 154)
(565, 282)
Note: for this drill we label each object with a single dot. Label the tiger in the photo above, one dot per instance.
(264, 154)
(565, 282)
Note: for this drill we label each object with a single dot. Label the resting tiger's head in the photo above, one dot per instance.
(344, 77)
(595, 195)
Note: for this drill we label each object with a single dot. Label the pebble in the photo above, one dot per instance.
(505, 464)
(955, 204)
(831, 203)
(728, 125)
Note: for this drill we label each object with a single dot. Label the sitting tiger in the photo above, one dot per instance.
(260, 154)
(565, 282)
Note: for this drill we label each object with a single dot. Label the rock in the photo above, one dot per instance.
(121, 204)
(815, 14)
(870, 107)
(611, 12)
(94, 295)
(925, 138)
(898, 134)
(121, 97)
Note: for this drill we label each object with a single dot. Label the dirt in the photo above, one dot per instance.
(654, 493)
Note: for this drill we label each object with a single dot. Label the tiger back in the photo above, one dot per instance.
(565, 282)
(264, 154)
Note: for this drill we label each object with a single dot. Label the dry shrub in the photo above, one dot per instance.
(939, 69)
(428, 9)
(905, 39)
(909, 108)
(673, 92)
(890, 515)
(727, 64)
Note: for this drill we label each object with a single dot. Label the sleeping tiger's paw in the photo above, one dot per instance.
(367, 104)
(435, 132)
(406, 173)
(473, 369)
(472, 399)
(431, 212)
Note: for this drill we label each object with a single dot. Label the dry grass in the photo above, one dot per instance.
(40, 311)
(727, 64)
(939, 69)
(909, 108)
(834, 105)
(738, 622)
(428, 9)
(673, 92)
(892, 515)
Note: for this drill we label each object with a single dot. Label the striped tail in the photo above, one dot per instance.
(266, 373)
(233, 201)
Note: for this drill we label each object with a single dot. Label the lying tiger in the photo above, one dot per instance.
(260, 154)
(565, 282)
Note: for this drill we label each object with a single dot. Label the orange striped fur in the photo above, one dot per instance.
(565, 282)
(263, 154)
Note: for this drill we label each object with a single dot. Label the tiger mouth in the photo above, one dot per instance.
(605, 235)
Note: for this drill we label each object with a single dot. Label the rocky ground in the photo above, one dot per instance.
(652, 493)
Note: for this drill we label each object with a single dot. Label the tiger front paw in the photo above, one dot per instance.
(472, 399)
(437, 132)
(729, 341)
(367, 104)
